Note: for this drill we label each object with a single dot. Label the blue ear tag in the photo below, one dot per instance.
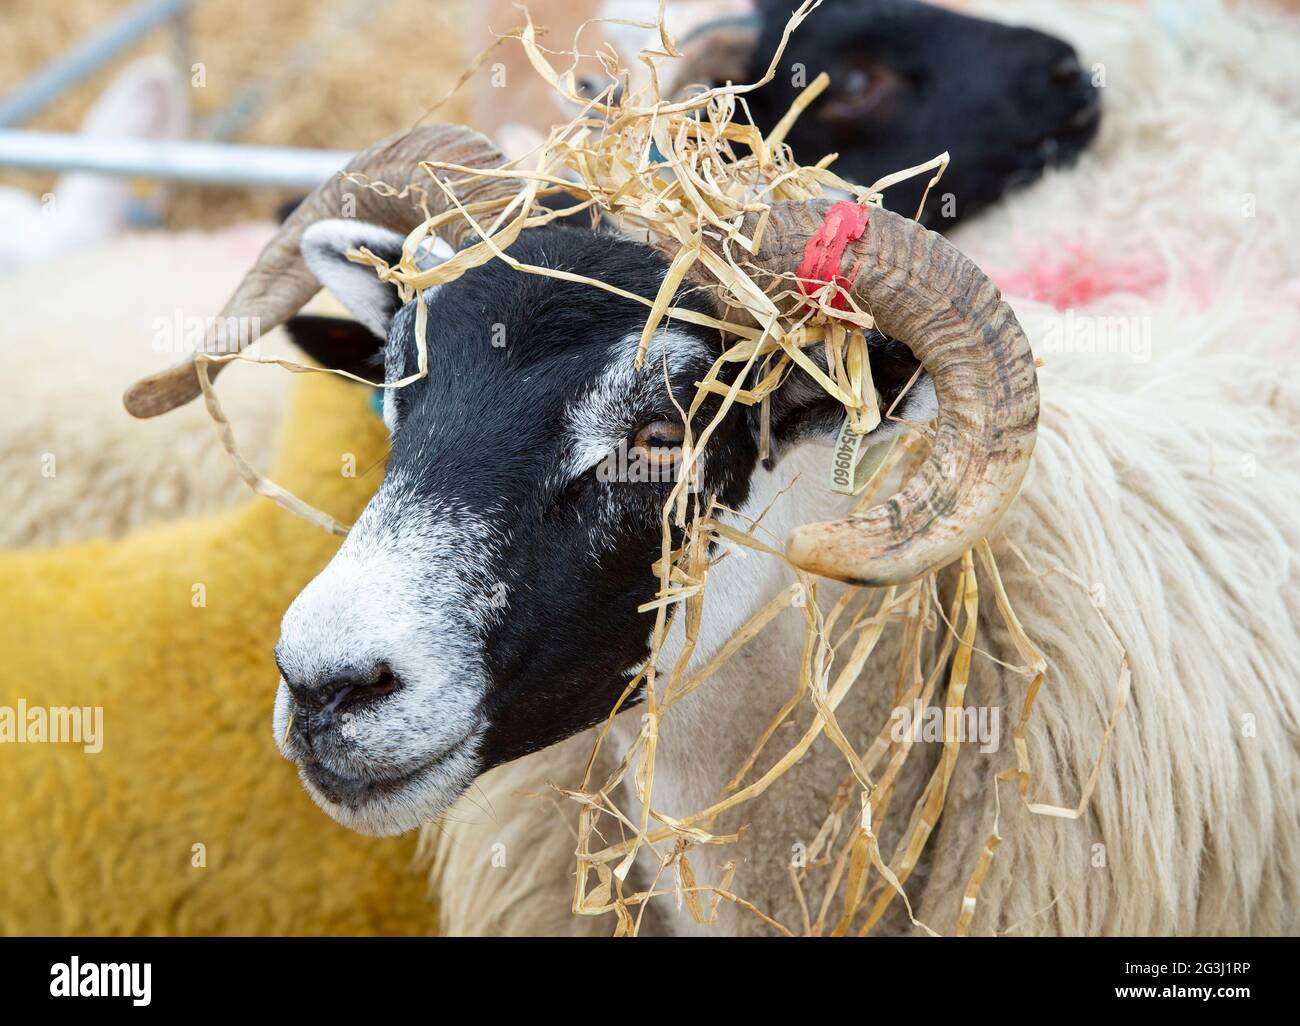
(377, 401)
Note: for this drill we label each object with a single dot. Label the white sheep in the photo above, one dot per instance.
(74, 465)
(148, 99)
(1181, 532)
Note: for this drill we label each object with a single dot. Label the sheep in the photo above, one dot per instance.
(1008, 102)
(64, 438)
(74, 467)
(1157, 91)
(436, 644)
(908, 80)
(1223, 801)
(75, 470)
(1172, 196)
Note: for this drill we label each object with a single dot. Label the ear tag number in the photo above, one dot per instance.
(854, 461)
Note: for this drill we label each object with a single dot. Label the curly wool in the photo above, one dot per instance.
(104, 844)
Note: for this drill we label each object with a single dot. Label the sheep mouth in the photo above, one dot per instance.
(353, 792)
(1064, 145)
(394, 804)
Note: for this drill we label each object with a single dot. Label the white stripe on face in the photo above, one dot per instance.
(596, 423)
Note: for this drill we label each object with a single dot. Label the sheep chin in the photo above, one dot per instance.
(378, 807)
(390, 808)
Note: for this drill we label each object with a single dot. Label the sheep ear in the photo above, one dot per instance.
(339, 344)
(325, 245)
(801, 409)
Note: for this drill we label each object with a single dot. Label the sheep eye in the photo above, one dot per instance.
(863, 91)
(659, 439)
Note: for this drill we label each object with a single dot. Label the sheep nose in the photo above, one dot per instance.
(1066, 71)
(324, 696)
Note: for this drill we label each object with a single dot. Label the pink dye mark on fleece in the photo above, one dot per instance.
(1069, 274)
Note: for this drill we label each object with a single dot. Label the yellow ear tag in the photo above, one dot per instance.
(854, 461)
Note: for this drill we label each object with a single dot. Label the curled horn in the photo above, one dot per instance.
(280, 284)
(923, 292)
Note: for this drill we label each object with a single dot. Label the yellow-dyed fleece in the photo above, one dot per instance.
(171, 631)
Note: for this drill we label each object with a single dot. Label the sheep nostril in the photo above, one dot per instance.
(323, 700)
(304, 697)
(1066, 71)
(380, 682)
(1085, 116)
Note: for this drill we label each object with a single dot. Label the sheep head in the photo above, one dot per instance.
(908, 79)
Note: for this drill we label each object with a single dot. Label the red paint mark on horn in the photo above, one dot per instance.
(845, 222)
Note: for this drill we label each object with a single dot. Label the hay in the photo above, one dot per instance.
(338, 102)
(684, 174)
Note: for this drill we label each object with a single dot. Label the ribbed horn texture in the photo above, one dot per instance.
(280, 284)
(923, 292)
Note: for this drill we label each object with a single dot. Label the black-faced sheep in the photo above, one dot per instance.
(907, 81)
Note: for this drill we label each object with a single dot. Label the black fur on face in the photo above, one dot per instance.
(909, 81)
